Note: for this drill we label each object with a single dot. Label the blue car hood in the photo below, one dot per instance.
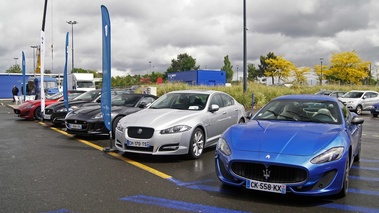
(291, 138)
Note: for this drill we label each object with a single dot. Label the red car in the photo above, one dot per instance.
(32, 109)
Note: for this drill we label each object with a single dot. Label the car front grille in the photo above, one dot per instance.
(271, 173)
(140, 132)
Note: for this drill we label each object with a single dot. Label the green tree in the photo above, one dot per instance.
(253, 72)
(228, 68)
(183, 62)
(14, 69)
(264, 67)
(347, 67)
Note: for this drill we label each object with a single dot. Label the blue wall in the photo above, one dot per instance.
(8, 81)
(199, 77)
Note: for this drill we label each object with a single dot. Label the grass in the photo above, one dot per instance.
(262, 93)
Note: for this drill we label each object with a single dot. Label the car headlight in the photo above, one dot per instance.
(29, 107)
(98, 116)
(351, 102)
(62, 110)
(223, 146)
(329, 155)
(175, 129)
(119, 127)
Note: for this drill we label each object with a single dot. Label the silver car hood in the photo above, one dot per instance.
(160, 118)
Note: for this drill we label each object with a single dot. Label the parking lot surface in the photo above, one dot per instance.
(43, 169)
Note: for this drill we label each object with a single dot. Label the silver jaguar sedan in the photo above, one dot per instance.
(179, 123)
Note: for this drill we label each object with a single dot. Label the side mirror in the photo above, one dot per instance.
(214, 108)
(142, 105)
(357, 120)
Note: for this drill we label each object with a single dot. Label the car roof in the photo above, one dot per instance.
(307, 97)
(195, 91)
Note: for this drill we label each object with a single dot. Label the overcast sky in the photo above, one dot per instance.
(156, 31)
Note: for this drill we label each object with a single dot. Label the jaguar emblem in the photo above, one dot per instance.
(139, 131)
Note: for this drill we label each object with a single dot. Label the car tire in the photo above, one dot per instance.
(358, 110)
(37, 113)
(114, 125)
(196, 144)
(345, 185)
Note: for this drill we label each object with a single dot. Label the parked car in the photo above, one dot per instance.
(31, 109)
(334, 93)
(56, 113)
(179, 123)
(375, 110)
(89, 120)
(302, 144)
(360, 100)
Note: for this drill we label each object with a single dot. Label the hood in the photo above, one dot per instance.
(290, 138)
(159, 117)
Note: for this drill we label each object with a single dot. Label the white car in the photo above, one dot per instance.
(360, 100)
(179, 123)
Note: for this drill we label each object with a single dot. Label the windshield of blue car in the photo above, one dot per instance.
(301, 110)
(182, 101)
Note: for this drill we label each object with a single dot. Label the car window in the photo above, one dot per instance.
(216, 99)
(301, 111)
(227, 100)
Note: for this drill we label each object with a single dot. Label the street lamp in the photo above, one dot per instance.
(150, 66)
(321, 71)
(237, 73)
(72, 42)
(34, 59)
(15, 59)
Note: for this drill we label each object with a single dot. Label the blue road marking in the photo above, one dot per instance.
(369, 160)
(365, 168)
(58, 211)
(177, 205)
(363, 178)
(365, 192)
(350, 208)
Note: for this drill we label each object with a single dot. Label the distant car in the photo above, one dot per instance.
(179, 123)
(56, 113)
(334, 93)
(31, 109)
(375, 110)
(360, 100)
(88, 120)
(300, 144)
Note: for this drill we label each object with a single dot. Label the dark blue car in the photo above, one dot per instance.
(375, 110)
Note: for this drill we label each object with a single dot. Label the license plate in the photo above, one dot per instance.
(267, 187)
(138, 143)
(47, 117)
(75, 126)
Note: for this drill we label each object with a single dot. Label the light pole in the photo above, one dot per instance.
(237, 74)
(34, 59)
(15, 59)
(72, 42)
(150, 66)
(321, 71)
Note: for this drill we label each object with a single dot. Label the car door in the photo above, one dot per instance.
(218, 120)
(352, 129)
(370, 99)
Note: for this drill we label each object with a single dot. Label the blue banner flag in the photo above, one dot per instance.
(65, 92)
(23, 88)
(106, 89)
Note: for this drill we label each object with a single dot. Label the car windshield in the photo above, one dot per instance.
(353, 95)
(128, 100)
(182, 101)
(54, 96)
(301, 110)
(88, 96)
